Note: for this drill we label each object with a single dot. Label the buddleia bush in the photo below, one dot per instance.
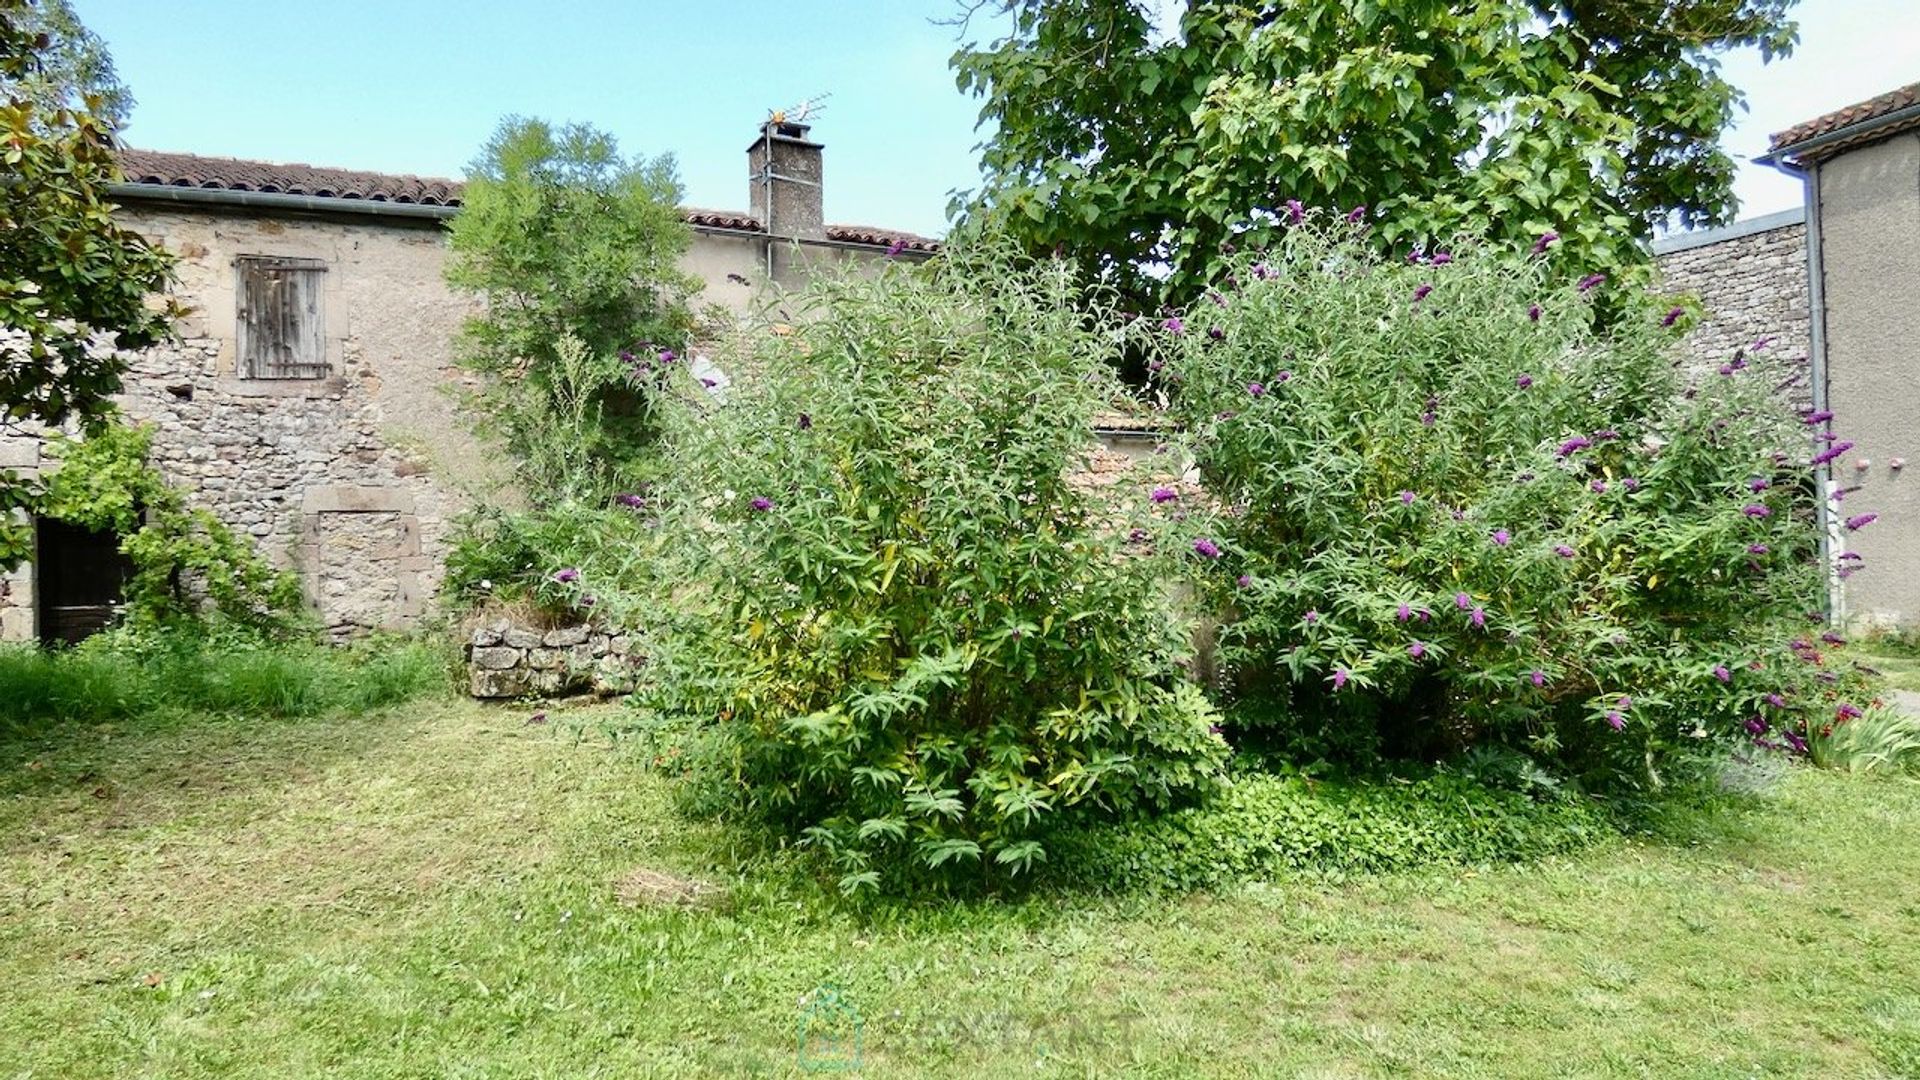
(904, 632)
(1455, 504)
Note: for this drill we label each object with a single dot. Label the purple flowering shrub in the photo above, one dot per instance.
(903, 633)
(1465, 512)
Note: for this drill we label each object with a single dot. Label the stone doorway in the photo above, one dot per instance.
(80, 580)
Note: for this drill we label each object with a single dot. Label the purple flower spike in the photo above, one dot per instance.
(1283, 376)
(1563, 551)
(1757, 485)
(1441, 258)
(1616, 721)
(1173, 326)
(1624, 703)
(761, 503)
(1420, 293)
(1417, 650)
(1137, 536)
(1533, 312)
(1599, 487)
(1726, 369)
(1590, 281)
(896, 248)
(1479, 618)
(1755, 510)
(1462, 601)
(1631, 484)
(1164, 495)
(1758, 549)
(1356, 215)
(1216, 334)
(1256, 389)
(1296, 213)
(1861, 521)
(1407, 497)
(1818, 418)
(1403, 614)
(1523, 381)
(1206, 547)
(1546, 240)
(1339, 677)
(1244, 581)
(1574, 445)
(567, 576)
(632, 502)
(1538, 678)
(1756, 726)
(1673, 316)
(806, 422)
(1776, 701)
(1720, 672)
(1831, 452)
(1502, 537)
(1310, 617)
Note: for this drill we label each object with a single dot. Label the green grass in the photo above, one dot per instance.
(431, 891)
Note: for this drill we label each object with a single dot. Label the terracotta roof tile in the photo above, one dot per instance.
(233, 174)
(165, 169)
(1841, 119)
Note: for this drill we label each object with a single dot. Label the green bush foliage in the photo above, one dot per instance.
(898, 621)
(1453, 508)
(188, 565)
(125, 675)
(574, 250)
(1269, 825)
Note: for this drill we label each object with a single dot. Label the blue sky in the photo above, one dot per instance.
(418, 87)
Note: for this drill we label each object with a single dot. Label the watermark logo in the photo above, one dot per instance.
(830, 1031)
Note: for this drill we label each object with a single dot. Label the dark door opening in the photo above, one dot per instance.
(80, 580)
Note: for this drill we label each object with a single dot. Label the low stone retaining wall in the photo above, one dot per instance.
(506, 660)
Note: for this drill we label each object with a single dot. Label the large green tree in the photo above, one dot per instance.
(76, 289)
(575, 251)
(1141, 151)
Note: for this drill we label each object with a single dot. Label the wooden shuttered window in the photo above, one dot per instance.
(282, 325)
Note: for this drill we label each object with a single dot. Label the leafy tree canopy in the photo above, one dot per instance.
(73, 63)
(75, 287)
(575, 250)
(1141, 153)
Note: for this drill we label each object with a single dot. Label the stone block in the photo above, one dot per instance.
(497, 658)
(482, 683)
(598, 643)
(521, 638)
(485, 637)
(546, 659)
(566, 637)
(348, 499)
(619, 644)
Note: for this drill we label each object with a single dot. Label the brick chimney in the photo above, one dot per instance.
(783, 168)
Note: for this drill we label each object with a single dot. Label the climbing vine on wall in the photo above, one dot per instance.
(188, 565)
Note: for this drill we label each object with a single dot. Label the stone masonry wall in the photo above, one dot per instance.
(1753, 287)
(507, 659)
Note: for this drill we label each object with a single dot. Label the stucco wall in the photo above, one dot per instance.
(353, 480)
(1870, 245)
(1753, 286)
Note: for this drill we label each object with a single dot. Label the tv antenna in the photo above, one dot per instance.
(799, 114)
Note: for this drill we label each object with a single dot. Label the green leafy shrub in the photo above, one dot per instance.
(553, 557)
(575, 251)
(123, 675)
(1273, 824)
(897, 619)
(1879, 739)
(1453, 508)
(188, 565)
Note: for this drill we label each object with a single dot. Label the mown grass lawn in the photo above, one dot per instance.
(431, 892)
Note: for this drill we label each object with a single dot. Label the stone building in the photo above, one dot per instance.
(1750, 278)
(1861, 169)
(306, 399)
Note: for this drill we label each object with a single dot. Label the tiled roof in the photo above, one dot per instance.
(233, 174)
(164, 169)
(1841, 119)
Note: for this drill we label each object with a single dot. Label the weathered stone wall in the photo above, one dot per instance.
(352, 480)
(1752, 279)
(507, 659)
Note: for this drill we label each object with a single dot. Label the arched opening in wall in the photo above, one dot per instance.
(80, 580)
